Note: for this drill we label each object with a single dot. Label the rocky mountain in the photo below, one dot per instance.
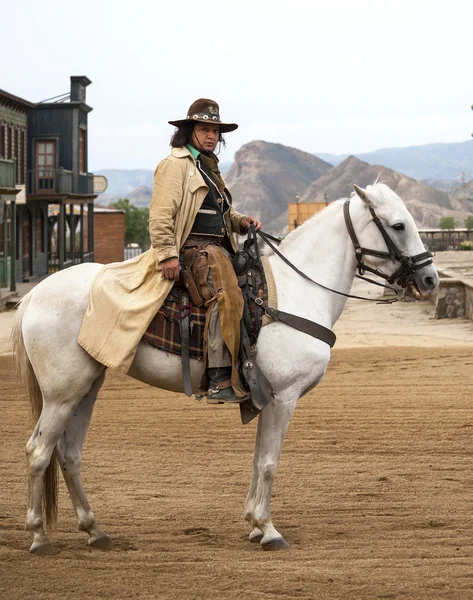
(141, 196)
(444, 166)
(462, 200)
(265, 177)
(121, 182)
(426, 203)
(446, 185)
(429, 161)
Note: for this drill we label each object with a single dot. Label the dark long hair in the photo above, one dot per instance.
(183, 134)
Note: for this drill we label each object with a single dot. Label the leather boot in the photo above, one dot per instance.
(220, 389)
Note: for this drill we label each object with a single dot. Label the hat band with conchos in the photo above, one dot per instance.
(205, 111)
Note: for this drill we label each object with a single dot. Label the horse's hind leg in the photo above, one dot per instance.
(70, 458)
(39, 450)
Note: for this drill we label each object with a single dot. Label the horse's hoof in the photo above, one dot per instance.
(255, 537)
(43, 548)
(101, 543)
(278, 543)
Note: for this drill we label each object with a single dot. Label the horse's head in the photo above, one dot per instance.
(389, 244)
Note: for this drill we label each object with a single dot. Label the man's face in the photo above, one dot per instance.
(205, 136)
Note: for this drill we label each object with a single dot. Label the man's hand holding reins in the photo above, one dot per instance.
(170, 268)
(247, 221)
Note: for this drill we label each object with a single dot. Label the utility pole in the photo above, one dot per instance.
(296, 220)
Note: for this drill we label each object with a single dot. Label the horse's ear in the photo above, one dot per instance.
(361, 193)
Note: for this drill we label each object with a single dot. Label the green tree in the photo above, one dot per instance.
(447, 223)
(469, 222)
(136, 223)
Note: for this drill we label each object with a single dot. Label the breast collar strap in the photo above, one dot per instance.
(409, 264)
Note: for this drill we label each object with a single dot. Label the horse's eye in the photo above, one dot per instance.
(399, 226)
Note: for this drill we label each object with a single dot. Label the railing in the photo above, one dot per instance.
(69, 261)
(59, 181)
(50, 181)
(7, 173)
(132, 251)
(447, 242)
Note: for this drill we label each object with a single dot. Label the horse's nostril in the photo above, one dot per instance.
(430, 282)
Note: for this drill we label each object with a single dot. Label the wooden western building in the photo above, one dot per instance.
(300, 212)
(47, 222)
(13, 175)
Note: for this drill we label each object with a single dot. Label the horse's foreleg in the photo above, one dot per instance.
(39, 449)
(256, 535)
(70, 458)
(272, 426)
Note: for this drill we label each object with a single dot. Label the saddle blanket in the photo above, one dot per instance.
(163, 332)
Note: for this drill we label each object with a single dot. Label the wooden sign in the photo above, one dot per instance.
(100, 184)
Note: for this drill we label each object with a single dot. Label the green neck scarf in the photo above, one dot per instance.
(211, 162)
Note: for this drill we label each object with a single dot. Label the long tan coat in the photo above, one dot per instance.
(125, 296)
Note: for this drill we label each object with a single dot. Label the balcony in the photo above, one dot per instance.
(7, 174)
(86, 184)
(48, 181)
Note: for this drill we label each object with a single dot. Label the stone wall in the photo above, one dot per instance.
(454, 298)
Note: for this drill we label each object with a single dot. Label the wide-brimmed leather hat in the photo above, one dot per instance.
(204, 110)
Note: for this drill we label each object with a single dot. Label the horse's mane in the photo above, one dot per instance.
(380, 191)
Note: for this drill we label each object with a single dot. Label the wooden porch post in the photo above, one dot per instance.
(61, 235)
(72, 232)
(13, 246)
(81, 242)
(90, 224)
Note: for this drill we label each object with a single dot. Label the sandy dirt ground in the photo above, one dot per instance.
(373, 492)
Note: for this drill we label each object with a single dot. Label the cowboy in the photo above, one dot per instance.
(178, 186)
(190, 211)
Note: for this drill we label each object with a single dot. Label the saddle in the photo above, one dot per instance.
(179, 326)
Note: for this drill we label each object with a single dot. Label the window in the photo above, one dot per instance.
(9, 142)
(23, 157)
(45, 166)
(82, 166)
(39, 230)
(2, 141)
(17, 155)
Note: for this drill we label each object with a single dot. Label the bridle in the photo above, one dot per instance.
(404, 275)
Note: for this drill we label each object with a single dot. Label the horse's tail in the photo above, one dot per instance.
(27, 376)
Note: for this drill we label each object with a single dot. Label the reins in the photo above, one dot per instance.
(402, 276)
(266, 237)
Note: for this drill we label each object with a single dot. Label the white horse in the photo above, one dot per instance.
(63, 380)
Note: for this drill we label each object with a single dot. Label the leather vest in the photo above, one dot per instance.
(210, 220)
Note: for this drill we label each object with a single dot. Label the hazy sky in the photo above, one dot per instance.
(338, 76)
